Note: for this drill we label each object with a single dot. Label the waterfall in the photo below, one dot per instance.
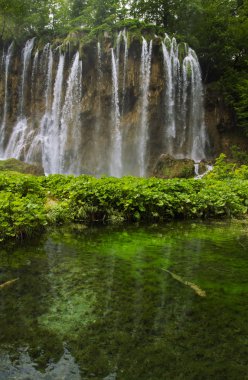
(17, 142)
(116, 138)
(171, 65)
(116, 117)
(198, 128)
(37, 146)
(98, 124)
(33, 80)
(185, 131)
(70, 130)
(52, 130)
(124, 69)
(26, 53)
(6, 62)
(145, 82)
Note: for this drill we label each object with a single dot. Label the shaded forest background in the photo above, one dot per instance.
(216, 29)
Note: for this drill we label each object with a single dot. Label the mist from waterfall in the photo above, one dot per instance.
(58, 126)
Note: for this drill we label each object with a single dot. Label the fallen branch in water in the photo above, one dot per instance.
(8, 283)
(196, 288)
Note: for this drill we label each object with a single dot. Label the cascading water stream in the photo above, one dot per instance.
(7, 60)
(197, 136)
(27, 51)
(116, 138)
(33, 80)
(185, 131)
(145, 83)
(69, 131)
(98, 151)
(52, 130)
(172, 72)
(198, 128)
(37, 146)
(17, 140)
(125, 67)
(170, 116)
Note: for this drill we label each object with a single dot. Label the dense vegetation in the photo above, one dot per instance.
(216, 29)
(30, 204)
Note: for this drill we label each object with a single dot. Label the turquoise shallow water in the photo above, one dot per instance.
(99, 304)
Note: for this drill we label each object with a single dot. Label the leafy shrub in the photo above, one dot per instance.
(223, 169)
(28, 204)
(20, 216)
(58, 213)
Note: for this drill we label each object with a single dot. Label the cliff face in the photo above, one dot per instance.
(107, 108)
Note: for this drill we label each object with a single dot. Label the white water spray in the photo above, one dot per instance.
(116, 138)
(145, 83)
(70, 131)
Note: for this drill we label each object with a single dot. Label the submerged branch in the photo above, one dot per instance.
(5, 284)
(196, 288)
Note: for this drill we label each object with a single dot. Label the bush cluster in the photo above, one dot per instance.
(28, 204)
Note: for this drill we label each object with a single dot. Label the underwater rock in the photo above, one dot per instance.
(169, 167)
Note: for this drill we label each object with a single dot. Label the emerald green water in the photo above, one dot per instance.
(98, 304)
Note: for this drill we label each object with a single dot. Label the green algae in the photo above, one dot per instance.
(102, 294)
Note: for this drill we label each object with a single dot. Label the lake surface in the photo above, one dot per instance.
(153, 303)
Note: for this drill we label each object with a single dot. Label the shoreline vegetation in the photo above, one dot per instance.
(30, 204)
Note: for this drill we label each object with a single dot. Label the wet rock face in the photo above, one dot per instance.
(169, 167)
(221, 123)
(85, 136)
(21, 167)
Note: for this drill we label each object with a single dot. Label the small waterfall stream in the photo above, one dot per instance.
(26, 53)
(103, 122)
(125, 68)
(116, 138)
(183, 102)
(16, 144)
(145, 82)
(170, 60)
(70, 121)
(52, 136)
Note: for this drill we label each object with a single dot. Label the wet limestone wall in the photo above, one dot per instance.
(95, 123)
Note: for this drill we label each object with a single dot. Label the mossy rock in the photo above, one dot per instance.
(169, 167)
(21, 167)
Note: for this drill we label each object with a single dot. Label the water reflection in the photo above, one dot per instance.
(24, 368)
(97, 304)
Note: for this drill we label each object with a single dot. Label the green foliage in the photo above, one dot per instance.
(239, 155)
(28, 204)
(226, 169)
(21, 205)
(58, 213)
(223, 169)
(241, 101)
(20, 216)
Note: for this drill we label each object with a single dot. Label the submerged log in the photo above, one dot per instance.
(8, 283)
(193, 286)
